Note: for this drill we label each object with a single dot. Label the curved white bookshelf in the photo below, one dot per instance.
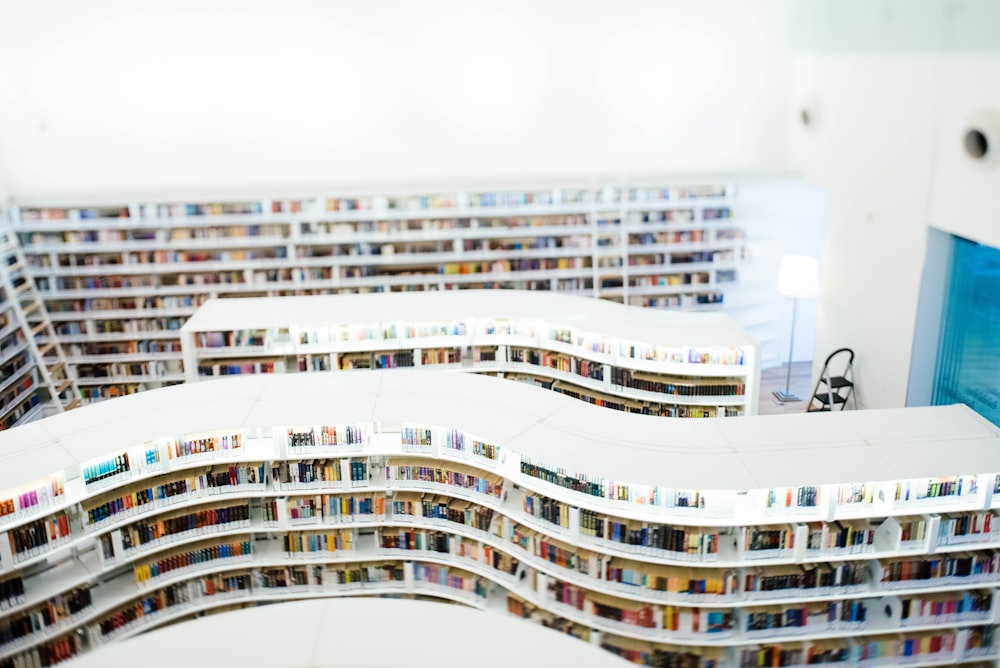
(637, 360)
(251, 512)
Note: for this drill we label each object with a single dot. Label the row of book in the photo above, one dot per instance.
(220, 443)
(304, 508)
(976, 566)
(15, 402)
(968, 527)
(449, 577)
(948, 606)
(143, 608)
(432, 541)
(152, 306)
(330, 541)
(821, 614)
(339, 434)
(236, 368)
(386, 203)
(344, 508)
(807, 496)
(548, 549)
(187, 558)
(281, 577)
(108, 468)
(691, 387)
(57, 609)
(678, 540)
(416, 438)
(176, 488)
(490, 486)
(48, 653)
(374, 573)
(807, 577)
(545, 508)
(149, 531)
(304, 474)
(459, 512)
(694, 582)
(697, 620)
(11, 592)
(38, 496)
(935, 488)
(578, 482)
(39, 536)
(840, 537)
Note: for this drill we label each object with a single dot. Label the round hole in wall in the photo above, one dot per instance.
(977, 145)
(981, 129)
(809, 113)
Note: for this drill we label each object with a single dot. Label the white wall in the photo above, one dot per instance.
(965, 193)
(889, 86)
(113, 97)
(870, 148)
(780, 216)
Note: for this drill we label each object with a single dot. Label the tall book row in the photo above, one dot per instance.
(869, 572)
(611, 355)
(120, 279)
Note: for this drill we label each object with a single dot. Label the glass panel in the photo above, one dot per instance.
(968, 361)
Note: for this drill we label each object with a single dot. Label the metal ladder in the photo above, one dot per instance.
(56, 377)
(830, 390)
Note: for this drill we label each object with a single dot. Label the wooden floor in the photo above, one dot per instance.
(774, 379)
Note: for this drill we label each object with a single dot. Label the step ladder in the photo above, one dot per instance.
(55, 375)
(834, 390)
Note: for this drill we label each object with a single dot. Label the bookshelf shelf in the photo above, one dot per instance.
(469, 505)
(104, 268)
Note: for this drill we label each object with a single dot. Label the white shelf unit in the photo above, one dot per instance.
(680, 540)
(119, 280)
(633, 359)
(33, 373)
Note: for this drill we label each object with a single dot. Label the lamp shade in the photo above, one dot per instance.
(798, 276)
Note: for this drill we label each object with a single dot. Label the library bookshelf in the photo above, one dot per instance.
(633, 359)
(864, 538)
(34, 376)
(21, 395)
(120, 280)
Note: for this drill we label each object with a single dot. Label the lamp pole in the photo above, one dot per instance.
(787, 394)
(798, 276)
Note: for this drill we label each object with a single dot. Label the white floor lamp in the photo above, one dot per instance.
(798, 277)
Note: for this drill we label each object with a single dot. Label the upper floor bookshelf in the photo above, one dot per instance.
(633, 359)
(119, 279)
(22, 395)
(860, 539)
(34, 378)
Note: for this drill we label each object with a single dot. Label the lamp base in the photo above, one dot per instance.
(785, 397)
